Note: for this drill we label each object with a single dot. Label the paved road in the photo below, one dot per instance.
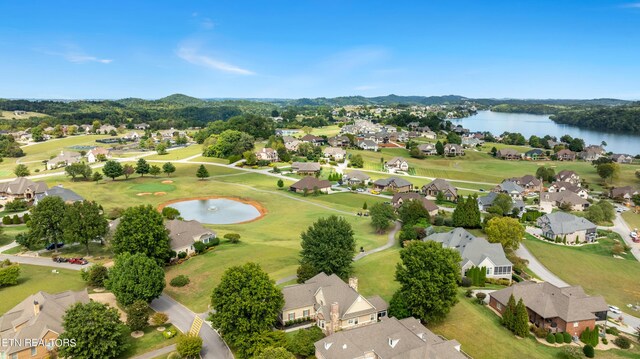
(620, 227)
(156, 353)
(41, 261)
(539, 269)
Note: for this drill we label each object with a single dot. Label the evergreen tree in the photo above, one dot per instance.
(202, 172)
(473, 212)
(460, 213)
(439, 148)
(280, 183)
(508, 316)
(521, 320)
(142, 167)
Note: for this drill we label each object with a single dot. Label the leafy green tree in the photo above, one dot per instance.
(333, 235)
(398, 306)
(453, 137)
(356, 161)
(9, 273)
(274, 353)
(142, 167)
(608, 171)
(128, 170)
(168, 168)
(83, 222)
(37, 134)
(412, 212)
(96, 275)
(21, 171)
(502, 205)
(202, 172)
(161, 149)
(246, 303)
(189, 346)
(78, 169)
(97, 176)
(47, 219)
(96, 330)
(267, 339)
(141, 230)
(135, 277)
(382, 216)
(229, 143)
(506, 231)
(521, 320)
(428, 275)
(546, 173)
(280, 183)
(302, 343)
(170, 213)
(154, 170)
(364, 206)
(439, 148)
(138, 315)
(113, 169)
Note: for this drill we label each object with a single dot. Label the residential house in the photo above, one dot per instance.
(485, 202)
(106, 129)
(452, 149)
(475, 252)
(314, 140)
(392, 184)
(439, 185)
(566, 155)
(141, 126)
(290, 143)
(267, 154)
(30, 329)
(426, 133)
(508, 154)
(368, 145)
(67, 195)
(331, 303)
(470, 142)
(94, 155)
(534, 154)
(548, 200)
(623, 194)
(64, 159)
(21, 188)
(428, 149)
(131, 136)
(310, 184)
(339, 141)
(568, 176)
(621, 158)
(561, 186)
(335, 153)
(591, 153)
(396, 164)
(184, 234)
(306, 168)
(511, 188)
(566, 309)
(286, 132)
(390, 338)
(561, 225)
(355, 178)
(400, 198)
(528, 182)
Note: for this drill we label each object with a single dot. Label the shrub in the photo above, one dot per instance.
(438, 220)
(180, 281)
(567, 337)
(551, 339)
(481, 296)
(169, 333)
(559, 338)
(159, 318)
(622, 342)
(613, 331)
(465, 282)
(232, 237)
(539, 332)
(189, 346)
(605, 341)
(15, 219)
(138, 315)
(588, 351)
(174, 355)
(468, 293)
(182, 255)
(199, 247)
(96, 275)
(6, 220)
(212, 242)
(25, 217)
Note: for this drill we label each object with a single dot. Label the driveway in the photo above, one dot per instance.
(620, 227)
(539, 269)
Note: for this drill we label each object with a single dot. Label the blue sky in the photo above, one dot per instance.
(291, 49)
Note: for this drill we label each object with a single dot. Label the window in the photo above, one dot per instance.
(372, 317)
(305, 313)
(575, 325)
(321, 324)
(350, 321)
(292, 316)
(499, 306)
(489, 270)
(14, 356)
(504, 270)
(34, 351)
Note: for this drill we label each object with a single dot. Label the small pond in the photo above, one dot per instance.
(216, 211)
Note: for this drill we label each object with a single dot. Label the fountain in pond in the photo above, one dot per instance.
(216, 210)
(213, 208)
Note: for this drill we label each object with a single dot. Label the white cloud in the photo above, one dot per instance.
(193, 56)
(81, 58)
(76, 55)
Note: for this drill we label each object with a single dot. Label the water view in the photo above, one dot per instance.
(216, 211)
(540, 125)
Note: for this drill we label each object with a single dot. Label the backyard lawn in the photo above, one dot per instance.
(37, 278)
(9, 233)
(151, 340)
(632, 219)
(592, 268)
(376, 273)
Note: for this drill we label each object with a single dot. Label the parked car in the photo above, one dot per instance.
(60, 259)
(615, 310)
(80, 261)
(52, 246)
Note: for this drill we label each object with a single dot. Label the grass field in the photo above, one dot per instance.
(178, 154)
(376, 273)
(592, 268)
(328, 131)
(12, 116)
(9, 233)
(151, 340)
(153, 187)
(632, 219)
(37, 278)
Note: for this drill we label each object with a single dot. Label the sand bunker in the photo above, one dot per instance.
(160, 193)
(143, 194)
(167, 181)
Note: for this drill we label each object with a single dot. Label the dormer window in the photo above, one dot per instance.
(327, 345)
(393, 342)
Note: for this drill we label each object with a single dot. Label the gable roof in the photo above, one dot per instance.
(396, 160)
(566, 174)
(441, 185)
(412, 196)
(65, 194)
(357, 175)
(507, 152)
(21, 184)
(509, 187)
(34, 325)
(310, 183)
(305, 166)
(334, 151)
(560, 223)
(389, 338)
(569, 303)
(399, 182)
(563, 197)
(526, 179)
(471, 248)
(311, 138)
(623, 191)
(182, 233)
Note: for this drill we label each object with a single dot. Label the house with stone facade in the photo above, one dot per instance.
(440, 185)
(567, 227)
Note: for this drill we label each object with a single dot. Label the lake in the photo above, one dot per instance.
(541, 125)
(216, 211)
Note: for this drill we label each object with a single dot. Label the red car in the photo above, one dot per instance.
(80, 261)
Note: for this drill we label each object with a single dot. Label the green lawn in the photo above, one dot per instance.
(36, 278)
(153, 187)
(479, 331)
(178, 154)
(151, 340)
(9, 233)
(97, 253)
(632, 219)
(592, 268)
(376, 273)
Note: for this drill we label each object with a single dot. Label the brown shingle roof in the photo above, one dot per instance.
(310, 183)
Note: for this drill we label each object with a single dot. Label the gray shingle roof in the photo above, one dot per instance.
(510, 187)
(67, 195)
(305, 166)
(389, 338)
(560, 223)
(310, 183)
(569, 303)
(471, 248)
(21, 184)
(183, 233)
(427, 204)
(563, 197)
(441, 185)
(399, 182)
(358, 175)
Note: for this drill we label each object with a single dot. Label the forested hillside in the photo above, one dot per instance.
(616, 118)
